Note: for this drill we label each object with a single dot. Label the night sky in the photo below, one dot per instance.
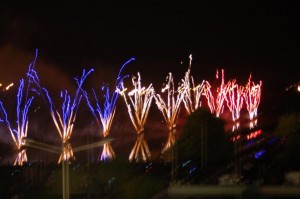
(254, 36)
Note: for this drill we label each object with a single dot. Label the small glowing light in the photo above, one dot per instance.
(8, 87)
(296, 85)
(252, 123)
(259, 154)
(254, 134)
(235, 138)
(235, 126)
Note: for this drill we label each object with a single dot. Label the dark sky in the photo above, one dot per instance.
(258, 37)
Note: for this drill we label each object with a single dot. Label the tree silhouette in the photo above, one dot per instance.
(203, 139)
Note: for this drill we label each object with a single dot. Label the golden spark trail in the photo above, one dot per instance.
(138, 102)
(170, 109)
(192, 92)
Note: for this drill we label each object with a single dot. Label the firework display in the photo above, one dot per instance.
(252, 96)
(64, 120)
(170, 108)
(192, 92)
(235, 102)
(229, 95)
(216, 103)
(19, 133)
(235, 99)
(235, 96)
(106, 114)
(138, 102)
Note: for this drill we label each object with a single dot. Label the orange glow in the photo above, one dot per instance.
(254, 134)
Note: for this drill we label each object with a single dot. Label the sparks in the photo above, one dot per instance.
(106, 114)
(192, 93)
(252, 96)
(19, 133)
(140, 99)
(252, 123)
(9, 86)
(216, 105)
(170, 109)
(235, 99)
(64, 120)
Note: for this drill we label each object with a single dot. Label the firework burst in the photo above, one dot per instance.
(19, 134)
(138, 102)
(64, 120)
(216, 105)
(106, 114)
(170, 108)
(235, 99)
(192, 92)
(252, 97)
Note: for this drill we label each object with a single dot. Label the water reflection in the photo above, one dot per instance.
(140, 150)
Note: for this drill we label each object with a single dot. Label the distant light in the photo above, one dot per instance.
(8, 87)
(254, 134)
(259, 154)
(296, 85)
(194, 168)
(186, 163)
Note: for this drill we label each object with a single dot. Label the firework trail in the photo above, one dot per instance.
(296, 85)
(7, 87)
(64, 120)
(192, 92)
(252, 96)
(235, 126)
(170, 109)
(106, 114)
(139, 99)
(216, 105)
(235, 100)
(19, 133)
(253, 123)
